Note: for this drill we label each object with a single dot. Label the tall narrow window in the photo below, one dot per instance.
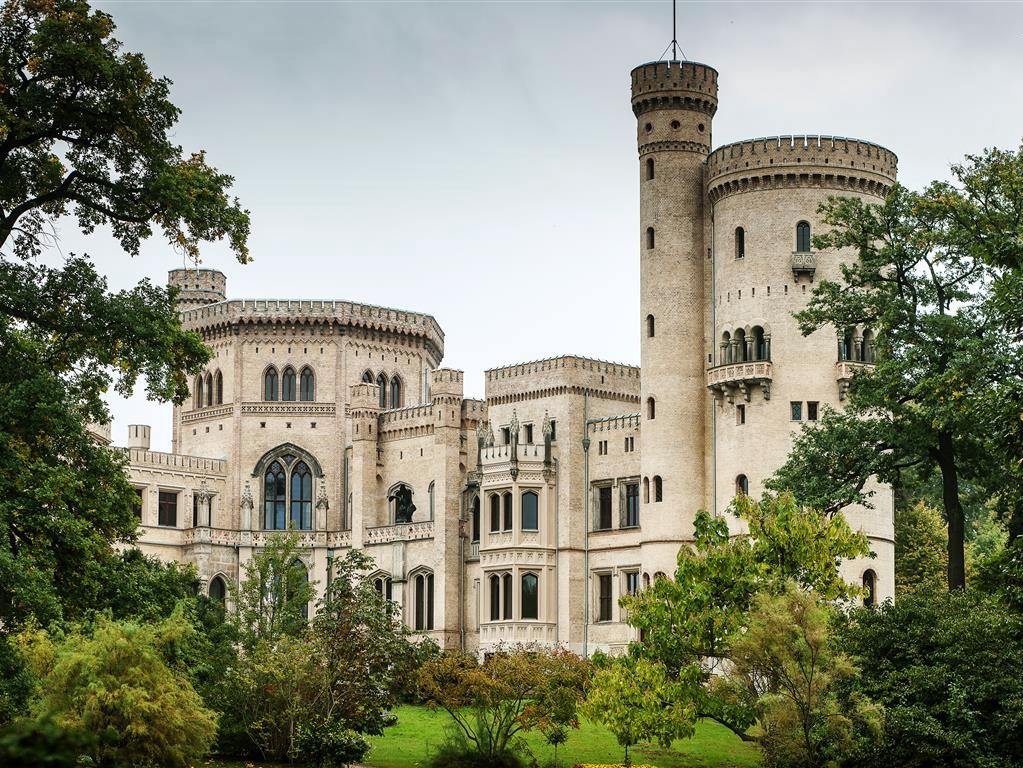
(528, 434)
(209, 389)
(649, 238)
(288, 384)
(495, 598)
(869, 589)
(631, 505)
(604, 508)
(812, 409)
(429, 494)
(219, 383)
(650, 326)
(367, 377)
(495, 512)
(506, 503)
(632, 583)
(424, 602)
(646, 490)
(742, 485)
(274, 491)
(760, 351)
(740, 243)
(168, 509)
(270, 384)
(604, 597)
(382, 383)
(396, 392)
(530, 607)
(651, 408)
(658, 488)
(506, 588)
(199, 387)
(649, 168)
(306, 385)
(301, 497)
(218, 589)
(867, 347)
(136, 506)
(803, 237)
(429, 601)
(476, 519)
(530, 511)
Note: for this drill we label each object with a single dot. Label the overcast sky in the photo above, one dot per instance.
(477, 160)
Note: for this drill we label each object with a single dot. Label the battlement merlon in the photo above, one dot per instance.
(568, 374)
(215, 317)
(674, 85)
(817, 159)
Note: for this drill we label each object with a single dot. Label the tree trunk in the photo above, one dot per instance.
(953, 512)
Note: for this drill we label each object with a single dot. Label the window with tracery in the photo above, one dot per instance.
(288, 495)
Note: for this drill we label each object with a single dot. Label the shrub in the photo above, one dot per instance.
(44, 744)
(327, 744)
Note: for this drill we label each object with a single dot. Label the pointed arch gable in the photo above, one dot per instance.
(274, 453)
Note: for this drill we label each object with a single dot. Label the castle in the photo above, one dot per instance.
(523, 517)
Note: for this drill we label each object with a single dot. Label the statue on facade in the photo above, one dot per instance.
(403, 506)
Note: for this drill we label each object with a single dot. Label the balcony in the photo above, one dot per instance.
(726, 380)
(518, 633)
(385, 534)
(473, 551)
(844, 372)
(803, 263)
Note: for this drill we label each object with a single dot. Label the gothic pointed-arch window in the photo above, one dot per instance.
(530, 603)
(423, 609)
(506, 589)
(274, 493)
(367, 377)
(219, 384)
(209, 389)
(495, 512)
(301, 497)
(199, 391)
(649, 168)
(803, 237)
(658, 488)
(740, 243)
(382, 384)
(475, 519)
(288, 384)
(306, 385)
(869, 588)
(270, 384)
(649, 238)
(495, 597)
(396, 392)
(530, 511)
(383, 586)
(218, 589)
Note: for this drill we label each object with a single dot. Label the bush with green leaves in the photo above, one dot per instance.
(327, 744)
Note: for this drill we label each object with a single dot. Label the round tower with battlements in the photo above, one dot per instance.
(198, 287)
(674, 103)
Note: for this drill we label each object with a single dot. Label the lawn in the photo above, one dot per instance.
(419, 731)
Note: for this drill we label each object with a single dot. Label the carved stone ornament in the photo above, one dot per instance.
(547, 427)
(485, 434)
(321, 499)
(246, 502)
(514, 426)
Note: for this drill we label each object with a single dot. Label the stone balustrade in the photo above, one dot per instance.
(385, 534)
(725, 380)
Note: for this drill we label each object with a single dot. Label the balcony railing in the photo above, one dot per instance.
(473, 552)
(804, 263)
(844, 372)
(726, 380)
(400, 532)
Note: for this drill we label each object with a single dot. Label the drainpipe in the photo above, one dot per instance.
(461, 578)
(586, 525)
(713, 351)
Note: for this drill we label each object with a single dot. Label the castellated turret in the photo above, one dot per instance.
(198, 287)
(674, 103)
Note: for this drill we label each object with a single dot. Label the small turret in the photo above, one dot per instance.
(138, 436)
(198, 287)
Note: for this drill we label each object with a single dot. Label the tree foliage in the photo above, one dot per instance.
(921, 557)
(930, 278)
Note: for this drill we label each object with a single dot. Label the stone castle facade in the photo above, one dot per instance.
(574, 480)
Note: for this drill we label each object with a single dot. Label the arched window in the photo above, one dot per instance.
(649, 238)
(367, 377)
(382, 584)
(506, 588)
(760, 351)
(530, 511)
(646, 490)
(219, 384)
(270, 384)
(424, 602)
(306, 385)
(869, 588)
(650, 326)
(199, 391)
(506, 504)
(218, 589)
(288, 384)
(803, 237)
(740, 346)
(658, 488)
(495, 513)
(740, 243)
(429, 493)
(476, 518)
(301, 497)
(742, 485)
(209, 389)
(396, 392)
(726, 348)
(274, 497)
(495, 597)
(649, 168)
(299, 578)
(382, 383)
(867, 347)
(847, 346)
(530, 607)
(651, 408)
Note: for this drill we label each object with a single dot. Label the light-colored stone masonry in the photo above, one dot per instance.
(722, 362)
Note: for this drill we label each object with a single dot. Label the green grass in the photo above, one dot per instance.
(419, 731)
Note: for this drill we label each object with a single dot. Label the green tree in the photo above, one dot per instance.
(84, 134)
(689, 623)
(948, 375)
(639, 700)
(117, 684)
(921, 556)
(272, 600)
(787, 669)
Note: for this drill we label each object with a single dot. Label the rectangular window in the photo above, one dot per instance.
(507, 511)
(740, 414)
(811, 410)
(554, 430)
(632, 505)
(604, 601)
(137, 506)
(195, 511)
(529, 434)
(506, 435)
(168, 509)
(797, 410)
(604, 508)
(495, 513)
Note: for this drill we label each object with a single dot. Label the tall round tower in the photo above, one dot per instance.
(198, 287)
(674, 103)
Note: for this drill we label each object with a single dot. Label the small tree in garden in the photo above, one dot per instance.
(514, 690)
(639, 700)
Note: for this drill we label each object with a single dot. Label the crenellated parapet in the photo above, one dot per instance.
(614, 423)
(800, 161)
(685, 85)
(570, 374)
(197, 287)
